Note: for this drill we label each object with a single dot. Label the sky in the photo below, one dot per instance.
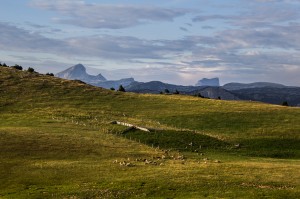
(174, 41)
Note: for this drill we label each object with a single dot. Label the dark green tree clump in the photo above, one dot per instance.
(121, 88)
(18, 67)
(199, 95)
(176, 92)
(31, 70)
(167, 90)
(50, 74)
(112, 88)
(285, 103)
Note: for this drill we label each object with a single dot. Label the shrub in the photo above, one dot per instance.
(167, 90)
(31, 70)
(121, 88)
(18, 67)
(285, 103)
(112, 88)
(50, 74)
(4, 65)
(199, 95)
(176, 92)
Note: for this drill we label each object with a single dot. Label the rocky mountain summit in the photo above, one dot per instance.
(208, 82)
(78, 72)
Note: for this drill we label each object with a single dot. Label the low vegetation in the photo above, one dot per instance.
(57, 141)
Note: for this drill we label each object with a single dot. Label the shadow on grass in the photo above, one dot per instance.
(272, 148)
(176, 140)
(193, 142)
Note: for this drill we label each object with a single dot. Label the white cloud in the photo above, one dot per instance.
(109, 16)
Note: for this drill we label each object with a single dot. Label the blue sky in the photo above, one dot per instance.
(174, 41)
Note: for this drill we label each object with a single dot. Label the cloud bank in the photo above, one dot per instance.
(80, 13)
(259, 42)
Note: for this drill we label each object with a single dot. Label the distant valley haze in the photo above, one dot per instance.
(174, 41)
(205, 88)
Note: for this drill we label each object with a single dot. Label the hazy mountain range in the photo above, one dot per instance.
(210, 88)
(79, 72)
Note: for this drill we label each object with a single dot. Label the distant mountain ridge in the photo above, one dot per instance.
(271, 95)
(238, 86)
(115, 83)
(258, 91)
(156, 87)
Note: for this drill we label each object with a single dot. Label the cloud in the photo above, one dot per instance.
(276, 1)
(232, 53)
(202, 18)
(208, 27)
(184, 29)
(14, 38)
(257, 15)
(80, 13)
(117, 48)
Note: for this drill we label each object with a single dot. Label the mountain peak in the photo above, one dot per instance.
(100, 76)
(208, 82)
(79, 72)
(78, 67)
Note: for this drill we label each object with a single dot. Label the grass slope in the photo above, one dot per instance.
(56, 142)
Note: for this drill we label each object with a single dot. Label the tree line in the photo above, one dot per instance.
(18, 67)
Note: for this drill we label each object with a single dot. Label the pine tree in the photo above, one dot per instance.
(121, 88)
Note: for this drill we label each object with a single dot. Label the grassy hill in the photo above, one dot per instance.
(56, 141)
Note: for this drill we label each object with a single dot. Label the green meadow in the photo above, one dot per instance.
(57, 141)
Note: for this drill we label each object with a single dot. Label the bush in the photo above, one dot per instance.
(199, 95)
(176, 92)
(31, 70)
(285, 103)
(112, 88)
(50, 74)
(167, 90)
(18, 67)
(4, 65)
(121, 88)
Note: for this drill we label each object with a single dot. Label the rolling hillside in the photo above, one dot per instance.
(57, 141)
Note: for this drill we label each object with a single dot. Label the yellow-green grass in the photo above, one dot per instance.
(56, 142)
